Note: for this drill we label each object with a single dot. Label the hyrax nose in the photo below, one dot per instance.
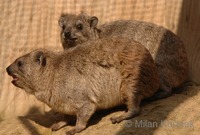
(67, 34)
(9, 70)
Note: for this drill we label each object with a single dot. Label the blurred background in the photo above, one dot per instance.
(29, 24)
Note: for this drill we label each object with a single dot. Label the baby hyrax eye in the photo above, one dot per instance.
(63, 27)
(79, 26)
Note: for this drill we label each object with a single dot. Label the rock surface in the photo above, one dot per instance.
(178, 114)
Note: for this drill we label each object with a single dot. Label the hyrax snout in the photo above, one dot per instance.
(100, 74)
(166, 48)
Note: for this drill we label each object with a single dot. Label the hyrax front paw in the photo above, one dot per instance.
(59, 125)
(71, 132)
(55, 127)
(115, 120)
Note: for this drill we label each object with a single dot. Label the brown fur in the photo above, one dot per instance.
(86, 78)
(165, 47)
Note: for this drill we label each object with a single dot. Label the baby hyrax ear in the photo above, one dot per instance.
(61, 21)
(40, 58)
(93, 21)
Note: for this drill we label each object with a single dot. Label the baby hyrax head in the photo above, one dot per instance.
(77, 29)
(27, 69)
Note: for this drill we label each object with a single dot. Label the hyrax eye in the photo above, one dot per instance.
(19, 63)
(79, 27)
(63, 27)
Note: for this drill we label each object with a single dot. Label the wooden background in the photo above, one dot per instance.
(29, 24)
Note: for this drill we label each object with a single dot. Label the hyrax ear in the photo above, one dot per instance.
(40, 58)
(61, 21)
(93, 21)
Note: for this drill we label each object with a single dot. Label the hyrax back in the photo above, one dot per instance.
(165, 47)
(100, 74)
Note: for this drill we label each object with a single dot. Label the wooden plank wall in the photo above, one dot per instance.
(189, 31)
(29, 24)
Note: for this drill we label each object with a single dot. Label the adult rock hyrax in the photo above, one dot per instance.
(100, 74)
(165, 47)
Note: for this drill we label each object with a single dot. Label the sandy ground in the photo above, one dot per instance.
(175, 115)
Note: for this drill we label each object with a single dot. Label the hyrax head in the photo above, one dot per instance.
(27, 69)
(77, 29)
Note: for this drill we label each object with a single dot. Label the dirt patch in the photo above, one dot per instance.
(178, 114)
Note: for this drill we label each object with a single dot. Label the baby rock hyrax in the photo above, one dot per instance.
(100, 74)
(165, 47)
